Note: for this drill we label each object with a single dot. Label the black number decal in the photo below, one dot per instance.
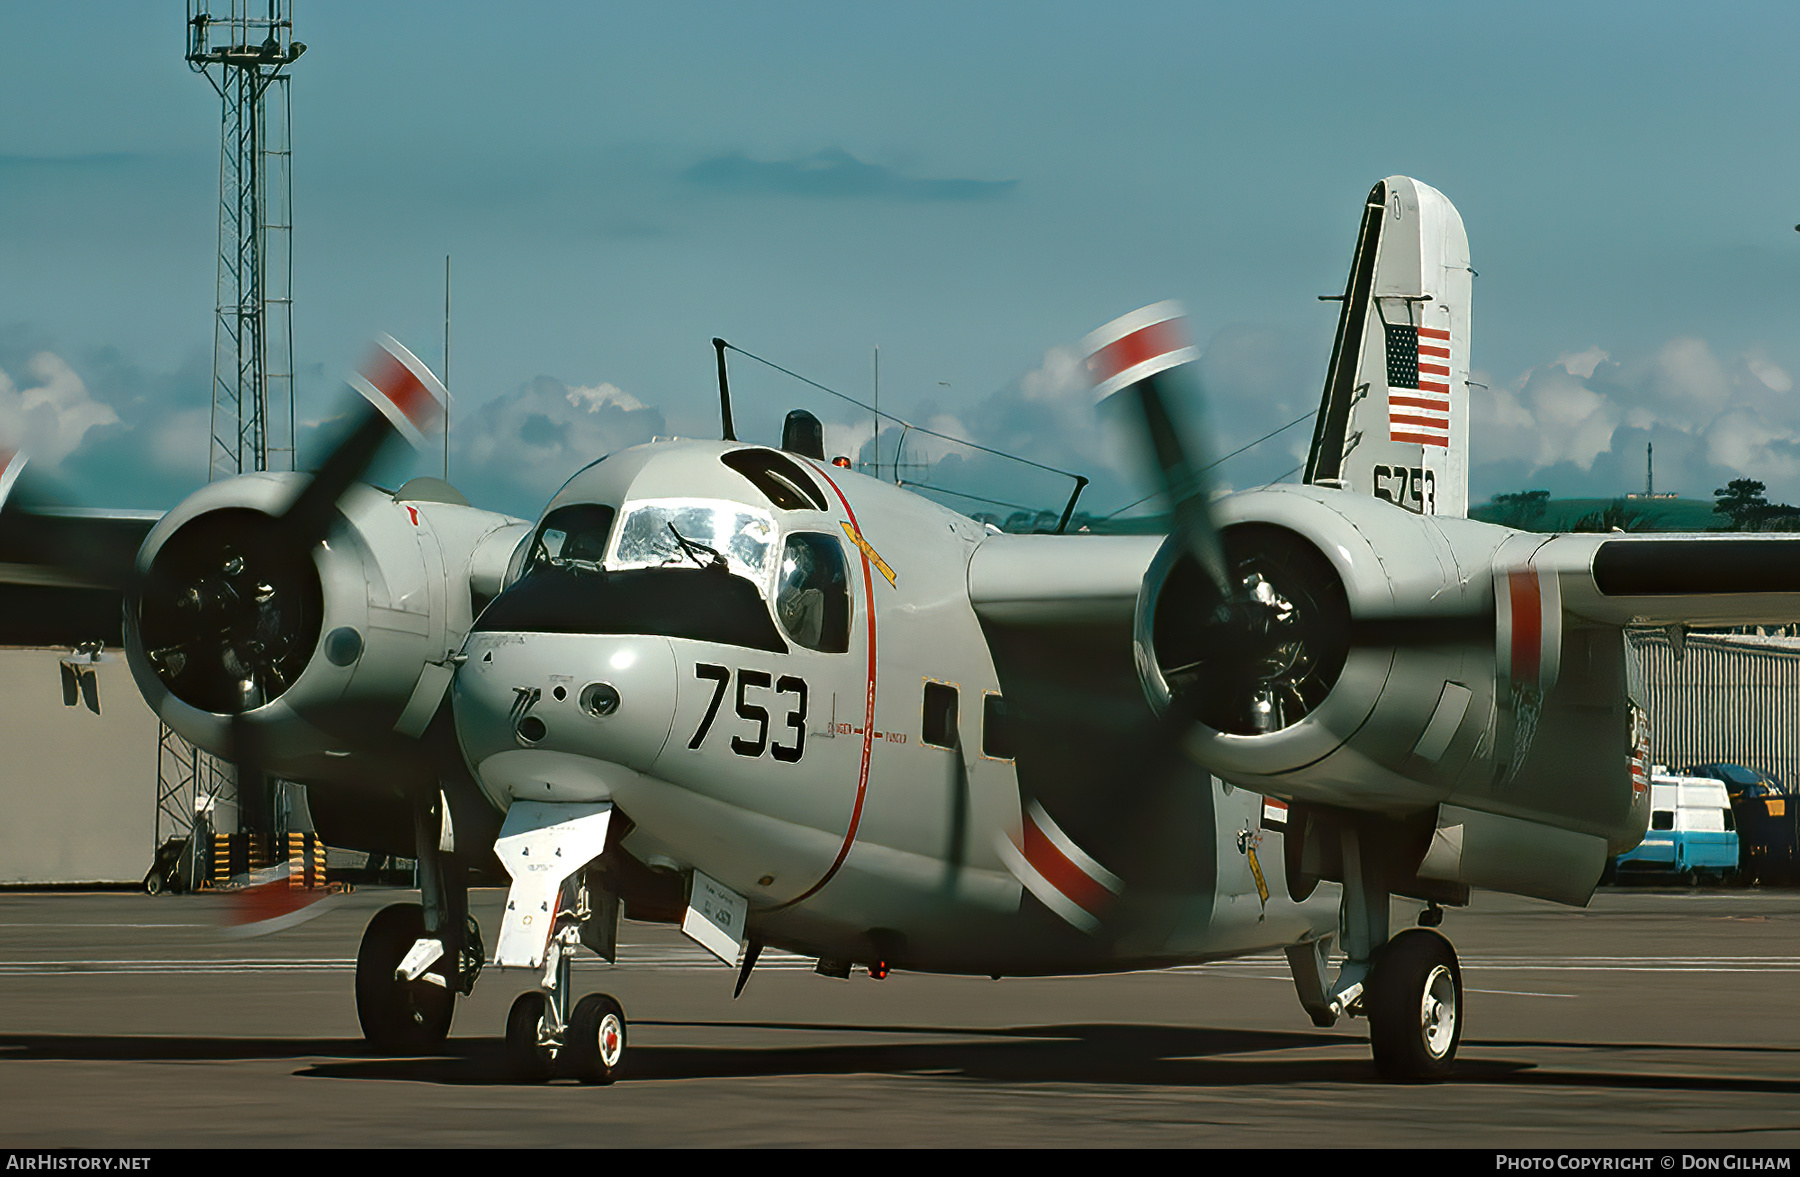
(748, 710)
(747, 681)
(1414, 488)
(789, 685)
(721, 676)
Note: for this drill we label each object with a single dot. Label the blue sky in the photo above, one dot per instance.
(970, 187)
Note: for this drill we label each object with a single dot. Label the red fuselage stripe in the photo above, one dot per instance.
(868, 727)
(1061, 873)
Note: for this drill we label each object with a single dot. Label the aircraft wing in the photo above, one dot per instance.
(1052, 579)
(62, 574)
(1659, 580)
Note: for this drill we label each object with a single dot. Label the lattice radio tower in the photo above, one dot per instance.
(244, 51)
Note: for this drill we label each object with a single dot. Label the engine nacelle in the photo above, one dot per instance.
(332, 660)
(1369, 665)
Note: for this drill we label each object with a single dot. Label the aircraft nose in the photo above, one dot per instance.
(563, 717)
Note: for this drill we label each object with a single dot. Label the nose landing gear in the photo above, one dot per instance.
(545, 1039)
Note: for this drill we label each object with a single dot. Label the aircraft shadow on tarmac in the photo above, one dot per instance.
(1147, 1055)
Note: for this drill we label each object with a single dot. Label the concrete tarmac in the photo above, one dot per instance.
(1655, 1020)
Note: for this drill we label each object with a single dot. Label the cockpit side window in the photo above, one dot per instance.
(571, 537)
(812, 595)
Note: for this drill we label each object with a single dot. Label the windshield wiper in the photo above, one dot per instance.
(693, 548)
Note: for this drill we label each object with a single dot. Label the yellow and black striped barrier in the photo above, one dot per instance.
(238, 854)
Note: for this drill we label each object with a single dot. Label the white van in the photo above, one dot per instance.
(1692, 832)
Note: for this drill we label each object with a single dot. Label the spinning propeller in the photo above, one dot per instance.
(229, 607)
(1259, 627)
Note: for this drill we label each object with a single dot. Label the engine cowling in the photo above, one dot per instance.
(1319, 682)
(1363, 666)
(332, 658)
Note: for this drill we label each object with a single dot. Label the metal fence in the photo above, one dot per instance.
(1728, 699)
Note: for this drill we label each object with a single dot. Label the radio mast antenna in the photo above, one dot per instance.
(244, 51)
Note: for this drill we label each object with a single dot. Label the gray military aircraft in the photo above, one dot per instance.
(787, 705)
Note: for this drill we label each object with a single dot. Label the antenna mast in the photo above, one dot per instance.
(244, 52)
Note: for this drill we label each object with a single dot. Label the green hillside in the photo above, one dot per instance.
(1658, 514)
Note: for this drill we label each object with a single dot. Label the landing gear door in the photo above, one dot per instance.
(541, 845)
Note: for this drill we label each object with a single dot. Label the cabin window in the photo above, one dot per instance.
(939, 728)
(1662, 819)
(996, 735)
(812, 594)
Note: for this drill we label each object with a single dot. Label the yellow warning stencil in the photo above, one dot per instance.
(868, 550)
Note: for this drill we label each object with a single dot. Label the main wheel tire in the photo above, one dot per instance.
(1415, 1007)
(596, 1045)
(398, 1017)
(527, 1056)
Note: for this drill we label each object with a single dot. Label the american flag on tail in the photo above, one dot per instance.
(1418, 377)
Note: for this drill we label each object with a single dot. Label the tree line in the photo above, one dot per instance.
(1740, 506)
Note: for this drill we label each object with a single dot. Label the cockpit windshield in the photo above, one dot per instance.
(678, 568)
(659, 533)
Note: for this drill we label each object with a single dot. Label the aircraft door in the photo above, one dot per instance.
(779, 734)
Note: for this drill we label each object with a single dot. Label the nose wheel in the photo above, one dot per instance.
(596, 1047)
(589, 1045)
(545, 1039)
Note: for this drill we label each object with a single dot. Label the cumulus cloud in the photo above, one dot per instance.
(832, 174)
(1247, 383)
(49, 413)
(1580, 423)
(520, 447)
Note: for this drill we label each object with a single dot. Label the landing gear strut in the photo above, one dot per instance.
(1409, 986)
(544, 1037)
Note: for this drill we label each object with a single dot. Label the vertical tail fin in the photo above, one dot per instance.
(1394, 418)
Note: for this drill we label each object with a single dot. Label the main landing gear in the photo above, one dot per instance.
(400, 1016)
(1409, 986)
(1414, 1004)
